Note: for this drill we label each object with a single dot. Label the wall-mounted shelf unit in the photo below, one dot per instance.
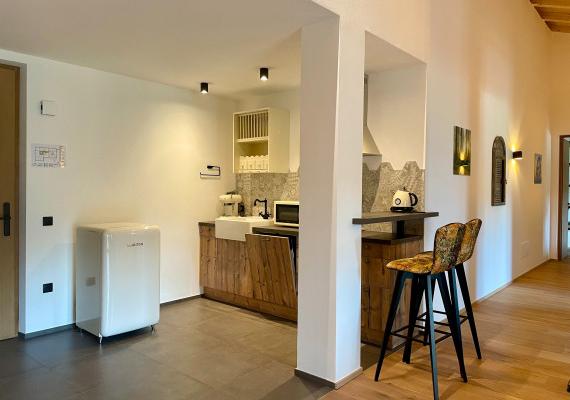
(261, 141)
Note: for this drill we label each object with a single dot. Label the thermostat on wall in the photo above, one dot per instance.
(48, 107)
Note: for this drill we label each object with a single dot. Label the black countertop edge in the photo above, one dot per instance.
(389, 216)
(268, 230)
(276, 230)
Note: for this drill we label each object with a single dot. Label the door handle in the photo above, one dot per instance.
(6, 218)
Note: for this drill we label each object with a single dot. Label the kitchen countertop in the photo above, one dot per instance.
(389, 216)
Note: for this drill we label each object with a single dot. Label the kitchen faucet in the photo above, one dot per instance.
(265, 214)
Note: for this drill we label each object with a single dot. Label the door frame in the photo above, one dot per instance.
(21, 195)
(561, 188)
(20, 191)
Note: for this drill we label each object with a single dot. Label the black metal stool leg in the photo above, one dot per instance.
(415, 302)
(431, 328)
(426, 330)
(398, 287)
(468, 309)
(452, 311)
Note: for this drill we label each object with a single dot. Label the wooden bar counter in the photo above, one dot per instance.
(267, 283)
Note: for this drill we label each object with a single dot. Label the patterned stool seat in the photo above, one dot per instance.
(425, 254)
(415, 265)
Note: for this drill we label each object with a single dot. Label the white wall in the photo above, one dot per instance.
(397, 113)
(288, 100)
(134, 152)
(488, 71)
(559, 120)
(328, 340)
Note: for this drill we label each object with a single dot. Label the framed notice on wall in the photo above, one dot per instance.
(48, 155)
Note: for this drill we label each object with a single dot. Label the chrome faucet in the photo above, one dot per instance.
(265, 214)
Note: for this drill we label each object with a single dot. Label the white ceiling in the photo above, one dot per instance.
(176, 42)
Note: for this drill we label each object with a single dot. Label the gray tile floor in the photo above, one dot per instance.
(201, 350)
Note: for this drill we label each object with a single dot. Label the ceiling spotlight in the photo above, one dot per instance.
(264, 73)
(204, 87)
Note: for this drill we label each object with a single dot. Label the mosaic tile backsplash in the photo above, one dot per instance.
(273, 186)
(378, 187)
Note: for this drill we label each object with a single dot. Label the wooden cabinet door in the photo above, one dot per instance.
(271, 269)
(208, 255)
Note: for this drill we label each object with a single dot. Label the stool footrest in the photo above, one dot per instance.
(462, 318)
(445, 334)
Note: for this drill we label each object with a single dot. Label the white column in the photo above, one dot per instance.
(332, 77)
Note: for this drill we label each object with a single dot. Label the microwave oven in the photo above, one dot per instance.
(286, 213)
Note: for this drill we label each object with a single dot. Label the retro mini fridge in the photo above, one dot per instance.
(117, 278)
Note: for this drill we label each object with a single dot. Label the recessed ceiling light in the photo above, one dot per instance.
(264, 73)
(204, 87)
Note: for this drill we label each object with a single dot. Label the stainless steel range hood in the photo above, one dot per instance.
(369, 147)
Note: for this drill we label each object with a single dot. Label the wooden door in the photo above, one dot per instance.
(9, 132)
(272, 269)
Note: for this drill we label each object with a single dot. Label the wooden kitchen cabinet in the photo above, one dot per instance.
(264, 283)
(378, 284)
(262, 277)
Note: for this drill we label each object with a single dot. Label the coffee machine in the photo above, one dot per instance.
(230, 203)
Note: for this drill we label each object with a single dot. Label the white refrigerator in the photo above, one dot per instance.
(117, 278)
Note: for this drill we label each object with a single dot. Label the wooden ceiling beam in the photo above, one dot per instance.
(551, 3)
(554, 15)
(558, 27)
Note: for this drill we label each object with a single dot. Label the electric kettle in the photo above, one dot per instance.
(404, 201)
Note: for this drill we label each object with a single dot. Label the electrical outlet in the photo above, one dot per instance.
(525, 248)
(48, 287)
(47, 221)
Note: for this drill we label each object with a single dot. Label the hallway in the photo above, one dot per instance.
(525, 339)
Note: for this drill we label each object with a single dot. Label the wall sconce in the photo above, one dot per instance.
(204, 87)
(517, 155)
(264, 74)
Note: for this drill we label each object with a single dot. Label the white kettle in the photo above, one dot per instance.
(404, 201)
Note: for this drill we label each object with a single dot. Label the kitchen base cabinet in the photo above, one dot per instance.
(263, 283)
(378, 285)
(258, 275)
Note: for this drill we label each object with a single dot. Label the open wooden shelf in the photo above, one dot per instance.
(254, 140)
(263, 132)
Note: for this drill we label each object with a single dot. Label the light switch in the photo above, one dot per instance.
(48, 107)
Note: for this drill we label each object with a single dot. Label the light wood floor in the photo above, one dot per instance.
(524, 332)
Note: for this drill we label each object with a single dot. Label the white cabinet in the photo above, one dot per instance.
(261, 140)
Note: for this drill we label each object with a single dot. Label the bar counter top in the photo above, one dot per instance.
(390, 216)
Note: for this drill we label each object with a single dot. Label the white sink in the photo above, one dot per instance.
(235, 228)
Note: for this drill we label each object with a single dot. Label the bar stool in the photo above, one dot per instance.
(472, 229)
(423, 271)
